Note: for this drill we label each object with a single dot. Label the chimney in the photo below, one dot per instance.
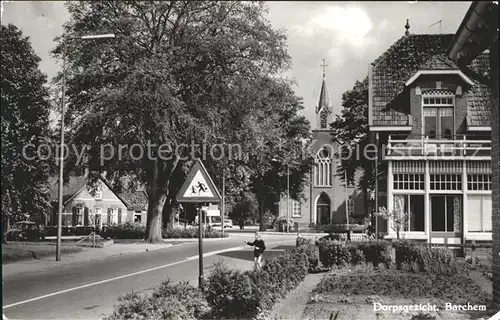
(407, 27)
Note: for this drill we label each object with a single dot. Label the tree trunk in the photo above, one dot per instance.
(154, 220)
(168, 215)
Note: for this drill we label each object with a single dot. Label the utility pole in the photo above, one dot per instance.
(223, 199)
(61, 155)
(287, 197)
(346, 201)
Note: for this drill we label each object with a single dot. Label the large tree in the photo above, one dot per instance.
(178, 72)
(25, 119)
(350, 131)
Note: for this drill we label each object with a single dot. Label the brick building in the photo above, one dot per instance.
(326, 199)
(433, 123)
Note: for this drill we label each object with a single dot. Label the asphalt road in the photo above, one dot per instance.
(88, 290)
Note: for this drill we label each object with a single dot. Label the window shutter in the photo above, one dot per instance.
(73, 222)
(86, 216)
(110, 216)
(474, 213)
(487, 211)
(119, 216)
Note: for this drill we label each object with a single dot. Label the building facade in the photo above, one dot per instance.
(432, 123)
(326, 199)
(82, 207)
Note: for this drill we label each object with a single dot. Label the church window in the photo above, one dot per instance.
(323, 169)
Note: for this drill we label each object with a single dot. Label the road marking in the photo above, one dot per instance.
(125, 276)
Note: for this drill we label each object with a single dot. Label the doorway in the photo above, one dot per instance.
(323, 210)
(446, 217)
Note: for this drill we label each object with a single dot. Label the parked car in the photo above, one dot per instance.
(25, 231)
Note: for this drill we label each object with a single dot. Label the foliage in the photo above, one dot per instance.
(333, 253)
(25, 123)
(383, 282)
(234, 294)
(357, 256)
(139, 307)
(307, 247)
(246, 207)
(180, 73)
(127, 230)
(376, 252)
(178, 233)
(190, 297)
(421, 258)
(350, 130)
(397, 216)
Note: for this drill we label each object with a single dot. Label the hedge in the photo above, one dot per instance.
(422, 258)
(131, 230)
(236, 294)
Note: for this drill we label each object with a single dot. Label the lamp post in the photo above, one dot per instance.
(61, 156)
(287, 190)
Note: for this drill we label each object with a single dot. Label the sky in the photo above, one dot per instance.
(348, 35)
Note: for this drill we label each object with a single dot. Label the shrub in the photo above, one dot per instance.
(333, 253)
(189, 233)
(376, 252)
(190, 297)
(230, 293)
(138, 307)
(307, 247)
(357, 256)
(406, 252)
(435, 260)
(250, 294)
(127, 230)
(439, 261)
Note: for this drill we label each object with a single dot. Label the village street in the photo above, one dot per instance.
(89, 290)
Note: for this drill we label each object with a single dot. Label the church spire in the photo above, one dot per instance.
(324, 102)
(323, 109)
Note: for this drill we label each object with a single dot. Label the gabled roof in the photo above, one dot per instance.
(138, 200)
(74, 186)
(405, 58)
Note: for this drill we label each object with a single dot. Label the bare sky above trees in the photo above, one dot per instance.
(349, 35)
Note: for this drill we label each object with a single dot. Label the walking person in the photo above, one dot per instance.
(258, 252)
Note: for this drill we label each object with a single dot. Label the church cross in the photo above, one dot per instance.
(324, 65)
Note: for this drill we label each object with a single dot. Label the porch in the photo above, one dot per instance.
(459, 147)
(445, 202)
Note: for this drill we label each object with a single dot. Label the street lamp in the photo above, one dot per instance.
(61, 156)
(287, 190)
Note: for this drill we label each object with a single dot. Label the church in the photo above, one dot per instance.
(326, 198)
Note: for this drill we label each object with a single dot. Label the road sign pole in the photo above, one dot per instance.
(200, 249)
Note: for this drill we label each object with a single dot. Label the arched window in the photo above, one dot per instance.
(323, 168)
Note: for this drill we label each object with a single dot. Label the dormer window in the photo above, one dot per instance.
(438, 114)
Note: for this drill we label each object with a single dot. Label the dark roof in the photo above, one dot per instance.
(401, 61)
(324, 102)
(479, 101)
(138, 200)
(76, 183)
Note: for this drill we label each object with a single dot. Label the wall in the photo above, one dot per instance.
(86, 200)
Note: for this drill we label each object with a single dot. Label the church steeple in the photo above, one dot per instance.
(323, 109)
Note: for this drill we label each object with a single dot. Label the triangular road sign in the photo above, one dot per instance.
(198, 186)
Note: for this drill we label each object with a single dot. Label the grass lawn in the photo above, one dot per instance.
(352, 294)
(16, 251)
